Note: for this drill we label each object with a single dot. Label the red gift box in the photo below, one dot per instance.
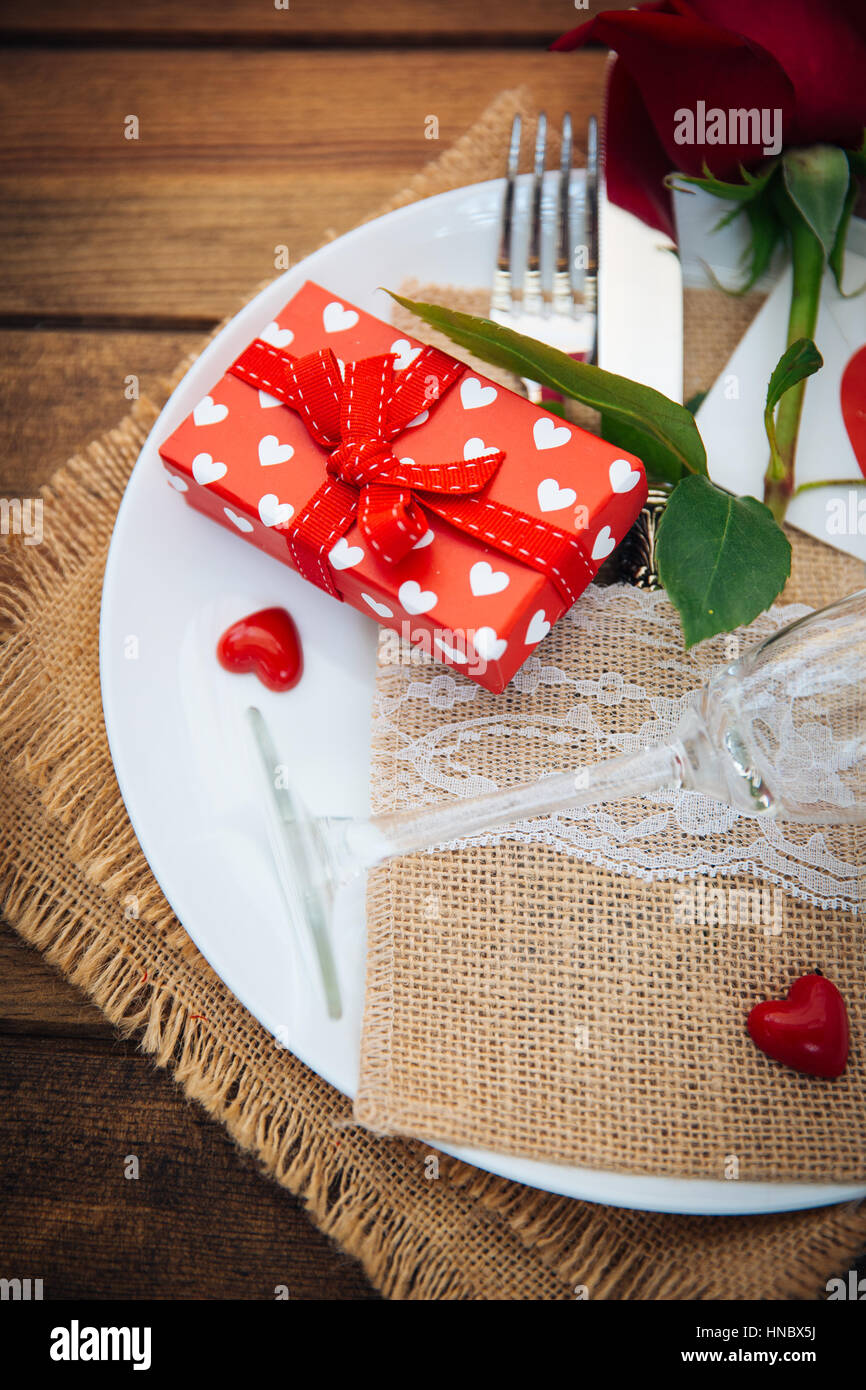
(468, 526)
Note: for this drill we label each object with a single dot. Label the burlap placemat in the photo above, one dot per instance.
(564, 1008)
(72, 871)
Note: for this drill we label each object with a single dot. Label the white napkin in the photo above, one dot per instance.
(731, 416)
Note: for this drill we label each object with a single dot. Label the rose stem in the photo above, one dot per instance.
(807, 258)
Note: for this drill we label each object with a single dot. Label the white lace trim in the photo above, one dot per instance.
(673, 834)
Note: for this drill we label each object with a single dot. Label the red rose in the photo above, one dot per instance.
(805, 61)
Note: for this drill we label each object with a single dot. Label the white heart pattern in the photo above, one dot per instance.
(273, 512)
(271, 451)
(603, 544)
(450, 652)
(419, 420)
(548, 435)
(276, 336)
(484, 579)
(553, 498)
(488, 645)
(405, 353)
(205, 470)
(427, 539)
(336, 318)
(473, 395)
(475, 448)
(179, 484)
(344, 556)
(415, 599)
(240, 521)
(538, 628)
(622, 476)
(208, 412)
(381, 608)
(267, 401)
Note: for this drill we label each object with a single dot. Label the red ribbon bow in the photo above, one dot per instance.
(356, 414)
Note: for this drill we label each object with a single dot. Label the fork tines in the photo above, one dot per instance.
(553, 313)
(501, 296)
(535, 296)
(563, 297)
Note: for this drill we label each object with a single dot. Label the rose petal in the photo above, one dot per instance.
(635, 163)
(674, 60)
(677, 61)
(822, 51)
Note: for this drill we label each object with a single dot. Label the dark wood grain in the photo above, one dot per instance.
(184, 221)
(59, 390)
(37, 1000)
(525, 22)
(329, 110)
(198, 1222)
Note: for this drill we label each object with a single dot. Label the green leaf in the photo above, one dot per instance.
(664, 429)
(730, 216)
(797, 362)
(766, 233)
(722, 559)
(837, 255)
(752, 185)
(659, 463)
(694, 403)
(857, 157)
(817, 182)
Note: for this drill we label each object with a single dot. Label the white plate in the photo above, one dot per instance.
(173, 581)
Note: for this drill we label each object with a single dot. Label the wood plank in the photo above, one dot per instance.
(185, 221)
(198, 1222)
(58, 390)
(37, 999)
(302, 21)
(65, 113)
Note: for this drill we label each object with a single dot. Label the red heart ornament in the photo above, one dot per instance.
(852, 392)
(808, 1030)
(266, 643)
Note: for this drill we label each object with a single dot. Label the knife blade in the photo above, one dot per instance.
(640, 299)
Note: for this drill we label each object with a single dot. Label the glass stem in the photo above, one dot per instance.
(402, 832)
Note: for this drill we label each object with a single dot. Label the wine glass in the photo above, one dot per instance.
(781, 733)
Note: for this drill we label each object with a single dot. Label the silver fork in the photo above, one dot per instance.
(554, 314)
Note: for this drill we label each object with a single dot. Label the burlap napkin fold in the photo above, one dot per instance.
(70, 863)
(555, 995)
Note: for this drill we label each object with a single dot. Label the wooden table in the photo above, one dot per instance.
(258, 127)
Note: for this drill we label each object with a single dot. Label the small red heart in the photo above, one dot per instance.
(266, 643)
(852, 392)
(807, 1031)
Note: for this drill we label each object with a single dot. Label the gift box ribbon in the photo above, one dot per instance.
(356, 413)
